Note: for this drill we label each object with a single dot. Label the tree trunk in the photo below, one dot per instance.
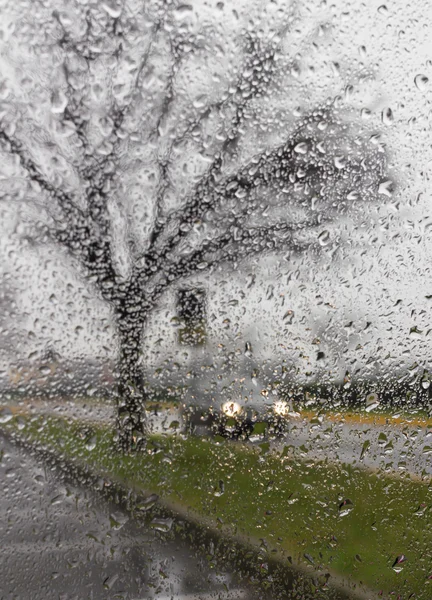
(131, 426)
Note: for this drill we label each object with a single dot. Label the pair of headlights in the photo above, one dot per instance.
(234, 409)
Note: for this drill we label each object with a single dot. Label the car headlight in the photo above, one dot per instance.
(281, 408)
(231, 409)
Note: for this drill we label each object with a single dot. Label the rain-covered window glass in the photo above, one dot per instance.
(215, 299)
(192, 316)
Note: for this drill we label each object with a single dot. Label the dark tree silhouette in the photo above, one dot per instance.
(156, 143)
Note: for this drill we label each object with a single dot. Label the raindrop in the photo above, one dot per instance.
(345, 507)
(161, 524)
(110, 581)
(182, 11)
(415, 332)
(421, 510)
(340, 162)
(365, 448)
(4, 90)
(58, 102)
(324, 238)
(112, 8)
(147, 503)
(387, 116)
(336, 68)
(288, 316)
(91, 443)
(117, 520)
(221, 490)
(382, 439)
(6, 415)
(386, 188)
(398, 561)
(301, 148)
(57, 499)
(421, 82)
(248, 349)
(372, 402)
(45, 370)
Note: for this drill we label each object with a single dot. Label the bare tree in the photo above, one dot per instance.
(156, 142)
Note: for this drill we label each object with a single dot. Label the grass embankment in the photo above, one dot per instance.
(295, 506)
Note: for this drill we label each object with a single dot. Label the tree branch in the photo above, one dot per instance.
(269, 168)
(77, 232)
(234, 245)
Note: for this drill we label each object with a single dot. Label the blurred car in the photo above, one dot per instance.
(237, 404)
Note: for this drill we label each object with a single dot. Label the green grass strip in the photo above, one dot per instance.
(293, 505)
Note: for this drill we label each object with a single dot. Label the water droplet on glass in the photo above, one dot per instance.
(345, 507)
(110, 581)
(386, 188)
(340, 162)
(301, 148)
(6, 415)
(324, 238)
(288, 316)
(365, 448)
(382, 439)
(45, 370)
(147, 503)
(421, 509)
(58, 102)
(221, 490)
(387, 116)
(161, 524)
(421, 82)
(117, 520)
(57, 499)
(4, 90)
(91, 443)
(112, 8)
(372, 402)
(398, 562)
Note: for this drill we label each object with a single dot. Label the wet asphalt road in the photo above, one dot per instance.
(63, 542)
(391, 448)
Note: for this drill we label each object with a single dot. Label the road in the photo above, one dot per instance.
(392, 447)
(64, 542)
